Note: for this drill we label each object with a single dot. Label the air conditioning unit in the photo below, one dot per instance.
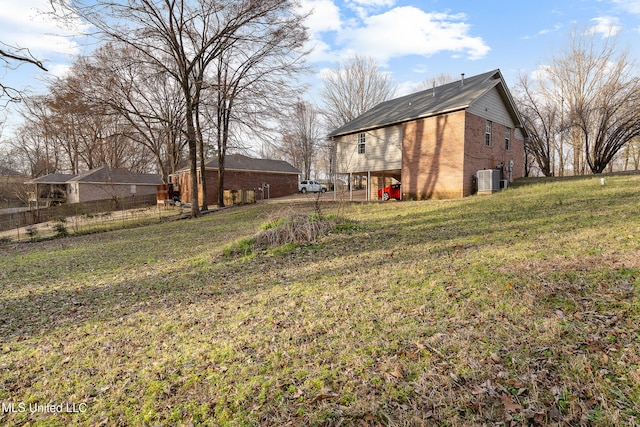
(488, 181)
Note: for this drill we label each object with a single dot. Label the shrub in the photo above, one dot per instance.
(32, 232)
(60, 227)
(292, 228)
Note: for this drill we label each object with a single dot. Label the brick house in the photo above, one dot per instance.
(435, 141)
(97, 184)
(241, 173)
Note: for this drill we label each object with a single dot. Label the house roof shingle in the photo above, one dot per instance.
(52, 178)
(8, 172)
(104, 175)
(442, 99)
(239, 162)
(101, 175)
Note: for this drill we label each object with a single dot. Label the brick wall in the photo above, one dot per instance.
(441, 155)
(432, 157)
(279, 184)
(480, 156)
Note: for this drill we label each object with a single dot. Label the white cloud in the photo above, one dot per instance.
(23, 24)
(374, 3)
(607, 26)
(324, 15)
(631, 6)
(363, 7)
(408, 30)
(60, 70)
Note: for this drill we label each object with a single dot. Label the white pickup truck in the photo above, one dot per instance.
(311, 186)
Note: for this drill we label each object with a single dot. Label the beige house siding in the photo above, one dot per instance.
(78, 192)
(383, 151)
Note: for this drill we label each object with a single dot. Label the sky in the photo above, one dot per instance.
(414, 41)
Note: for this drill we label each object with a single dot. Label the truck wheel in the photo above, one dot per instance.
(385, 196)
(303, 190)
(323, 190)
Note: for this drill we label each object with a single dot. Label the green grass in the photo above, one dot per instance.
(520, 308)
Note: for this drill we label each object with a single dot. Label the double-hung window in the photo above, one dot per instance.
(507, 139)
(362, 146)
(487, 134)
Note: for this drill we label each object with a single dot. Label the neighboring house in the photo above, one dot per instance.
(435, 141)
(273, 178)
(10, 186)
(49, 189)
(9, 174)
(97, 184)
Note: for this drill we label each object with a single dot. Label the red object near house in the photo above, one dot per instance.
(390, 192)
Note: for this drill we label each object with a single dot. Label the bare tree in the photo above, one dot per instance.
(301, 137)
(255, 76)
(601, 89)
(118, 82)
(354, 87)
(438, 80)
(541, 119)
(582, 108)
(181, 37)
(12, 57)
(631, 155)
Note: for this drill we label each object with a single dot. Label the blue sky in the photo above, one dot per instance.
(412, 40)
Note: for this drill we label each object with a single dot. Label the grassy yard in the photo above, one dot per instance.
(520, 308)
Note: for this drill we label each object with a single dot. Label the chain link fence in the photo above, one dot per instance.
(83, 218)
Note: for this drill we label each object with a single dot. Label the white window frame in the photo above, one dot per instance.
(487, 133)
(362, 143)
(507, 139)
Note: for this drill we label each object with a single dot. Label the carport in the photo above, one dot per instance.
(374, 181)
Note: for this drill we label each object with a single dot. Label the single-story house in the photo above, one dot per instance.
(269, 178)
(435, 141)
(97, 184)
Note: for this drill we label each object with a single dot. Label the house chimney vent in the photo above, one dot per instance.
(461, 79)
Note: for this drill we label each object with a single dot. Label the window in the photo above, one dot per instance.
(487, 134)
(361, 144)
(507, 139)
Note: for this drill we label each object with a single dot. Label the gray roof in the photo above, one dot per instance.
(52, 178)
(101, 175)
(8, 172)
(238, 162)
(104, 175)
(442, 99)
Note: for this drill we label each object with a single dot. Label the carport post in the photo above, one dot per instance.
(368, 186)
(351, 186)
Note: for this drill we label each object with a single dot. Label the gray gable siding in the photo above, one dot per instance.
(492, 107)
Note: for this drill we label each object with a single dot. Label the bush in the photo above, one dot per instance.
(32, 232)
(292, 228)
(60, 227)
